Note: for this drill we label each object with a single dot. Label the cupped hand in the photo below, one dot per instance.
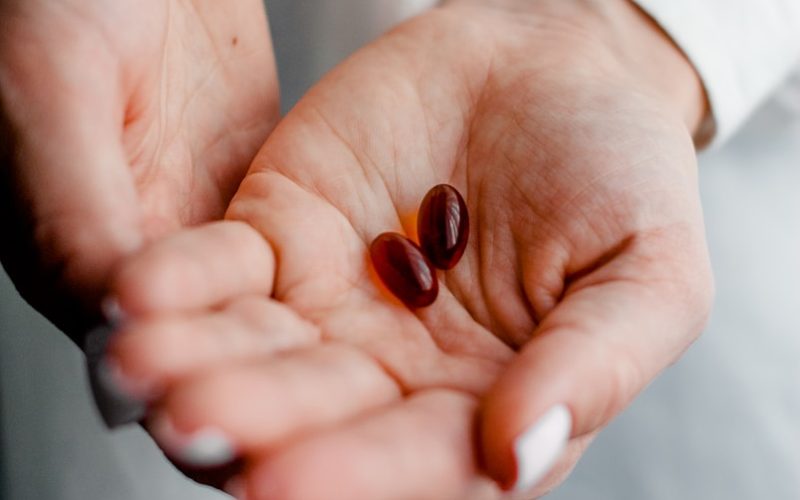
(121, 122)
(585, 275)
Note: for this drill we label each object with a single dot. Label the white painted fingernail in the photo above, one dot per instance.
(208, 447)
(236, 488)
(204, 447)
(539, 446)
(115, 379)
(112, 395)
(113, 311)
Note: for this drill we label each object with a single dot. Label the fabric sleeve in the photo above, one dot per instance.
(742, 50)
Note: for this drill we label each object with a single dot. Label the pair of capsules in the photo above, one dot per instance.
(407, 269)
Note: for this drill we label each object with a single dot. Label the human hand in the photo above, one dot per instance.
(566, 125)
(121, 122)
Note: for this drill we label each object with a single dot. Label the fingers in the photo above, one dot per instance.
(153, 353)
(594, 352)
(420, 448)
(259, 404)
(193, 269)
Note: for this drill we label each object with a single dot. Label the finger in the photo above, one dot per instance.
(194, 269)
(561, 469)
(257, 405)
(310, 235)
(72, 208)
(420, 448)
(591, 355)
(149, 355)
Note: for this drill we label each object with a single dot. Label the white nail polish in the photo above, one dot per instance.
(116, 405)
(115, 379)
(539, 446)
(208, 447)
(112, 311)
(205, 447)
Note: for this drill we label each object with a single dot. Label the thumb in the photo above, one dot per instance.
(590, 356)
(69, 202)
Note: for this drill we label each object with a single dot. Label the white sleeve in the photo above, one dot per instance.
(742, 49)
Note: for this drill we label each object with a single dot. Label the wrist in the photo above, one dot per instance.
(614, 34)
(658, 64)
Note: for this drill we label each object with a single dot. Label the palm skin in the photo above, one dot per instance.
(122, 122)
(585, 275)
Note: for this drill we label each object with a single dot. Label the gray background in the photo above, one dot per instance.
(724, 423)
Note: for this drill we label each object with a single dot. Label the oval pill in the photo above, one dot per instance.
(443, 226)
(404, 270)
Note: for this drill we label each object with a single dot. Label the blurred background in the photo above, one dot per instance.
(723, 423)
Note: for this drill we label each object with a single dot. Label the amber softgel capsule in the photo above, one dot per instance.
(404, 270)
(443, 226)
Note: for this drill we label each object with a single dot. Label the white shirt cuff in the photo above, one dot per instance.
(742, 49)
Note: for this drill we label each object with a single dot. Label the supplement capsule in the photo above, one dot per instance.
(443, 226)
(404, 269)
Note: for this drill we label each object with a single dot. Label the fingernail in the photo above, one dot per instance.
(539, 446)
(123, 385)
(236, 488)
(117, 406)
(112, 310)
(204, 447)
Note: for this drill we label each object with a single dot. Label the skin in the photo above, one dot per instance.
(567, 127)
(121, 122)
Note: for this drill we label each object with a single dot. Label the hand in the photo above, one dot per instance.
(121, 122)
(566, 125)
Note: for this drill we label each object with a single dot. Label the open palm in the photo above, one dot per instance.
(585, 275)
(123, 121)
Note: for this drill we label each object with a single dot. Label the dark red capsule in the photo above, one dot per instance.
(443, 226)
(404, 269)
